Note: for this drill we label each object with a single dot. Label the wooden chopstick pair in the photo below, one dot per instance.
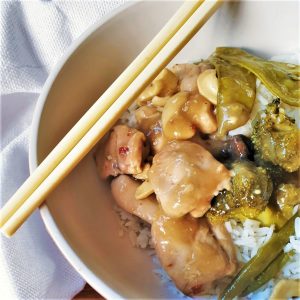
(105, 112)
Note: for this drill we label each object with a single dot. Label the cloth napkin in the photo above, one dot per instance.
(33, 36)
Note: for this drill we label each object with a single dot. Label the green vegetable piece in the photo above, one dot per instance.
(276, 172)
(276, 138)
(271, 271)
(281, 79)
(271, 216)
(287, 196)
(236, 95)
(249, 195)
(265, 255)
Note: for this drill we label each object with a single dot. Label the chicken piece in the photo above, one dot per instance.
(157, 138)
(190, 253)
(188, 75)
(224, 238)
(205, 65)
(123, 190)
(149, 121)
(183, 113)
(124, 152)
(165, 84)
(175, 123)
(185, 177)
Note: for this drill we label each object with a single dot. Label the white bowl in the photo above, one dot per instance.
(79, 214)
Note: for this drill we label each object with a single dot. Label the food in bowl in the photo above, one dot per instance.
(208, 157)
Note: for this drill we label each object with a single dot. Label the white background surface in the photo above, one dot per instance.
(33, 36)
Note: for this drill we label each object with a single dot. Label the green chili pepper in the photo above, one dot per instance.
(271, 271)
(281, 79)
(236, 95)
(265, 255)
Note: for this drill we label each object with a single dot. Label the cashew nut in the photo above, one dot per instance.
(200, 113)
(207, 83)
(151, 90)
(286, 289)
(159, 101)
(165, 84)
(144, 190)
(144, 174)
(183, 113)
(169, 81)
(174, 123)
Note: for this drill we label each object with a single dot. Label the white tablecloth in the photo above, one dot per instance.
(33, 36)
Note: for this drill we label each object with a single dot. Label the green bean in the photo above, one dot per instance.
(271, 271)
(265, 255)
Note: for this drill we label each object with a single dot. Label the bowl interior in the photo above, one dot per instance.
(79, 213)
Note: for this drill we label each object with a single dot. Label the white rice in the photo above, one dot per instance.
(138, 230)
(292, 268)
(248, 236)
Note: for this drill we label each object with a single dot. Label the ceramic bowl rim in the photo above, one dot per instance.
(53, 230)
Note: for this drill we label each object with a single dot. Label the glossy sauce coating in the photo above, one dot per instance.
(123, 152)
(185, 177)
(190, 253)
(123, 189)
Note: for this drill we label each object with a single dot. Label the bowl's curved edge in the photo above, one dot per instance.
(47, 218)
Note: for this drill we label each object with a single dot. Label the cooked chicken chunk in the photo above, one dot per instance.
(157, 138)
(123, 152)
(188, 74)
(185, 177)
(190, 253)
(123, 189)
(224, 238)
(149, 122)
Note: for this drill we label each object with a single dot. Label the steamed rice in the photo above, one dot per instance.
(292, 269)
(248, 236)
(138, 230)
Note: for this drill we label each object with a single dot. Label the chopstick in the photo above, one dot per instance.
(98, 109)
(39, 191)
